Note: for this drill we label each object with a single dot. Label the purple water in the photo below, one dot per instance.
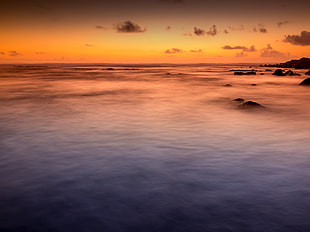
(137, 149)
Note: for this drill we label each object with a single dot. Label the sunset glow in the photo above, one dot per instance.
(146, 31)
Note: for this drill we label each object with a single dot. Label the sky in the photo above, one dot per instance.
(154, 31)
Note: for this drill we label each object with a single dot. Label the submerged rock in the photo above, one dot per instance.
(278, 72)
(245, 73)
(250, 105)
(305, 82)
(291, 73)
(239, 99)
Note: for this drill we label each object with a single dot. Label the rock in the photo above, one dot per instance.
(291, 73)
(298, 64)
(253, 84)
(278, 72)
(268, 70)
(308, 73)
(250, 105)
(110, 69)
(228, 85)
(239, 99)
(305, 82)
(245, 73)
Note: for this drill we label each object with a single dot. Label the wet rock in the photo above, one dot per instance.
(291, 73)
(245, 73)
(228, 85)
(239, 99)
(250, 105)
(110, 69)
(279, 72)
(305, 82)
(308, 73)
(268, 70)
(253, 84)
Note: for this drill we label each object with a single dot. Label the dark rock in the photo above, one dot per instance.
(268, 70)
(239, 99)
(279, 72)
(291, 73)
(305, 82)
(307, 73)
(168, 73)
(245, 73)
(228, 85)
(261, 74)
(110, 69)
(253, 84)
(250, 105)
(298, 64)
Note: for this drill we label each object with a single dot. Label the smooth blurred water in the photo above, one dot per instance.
(137, 149)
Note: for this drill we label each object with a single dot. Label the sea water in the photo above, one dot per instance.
(92, 147)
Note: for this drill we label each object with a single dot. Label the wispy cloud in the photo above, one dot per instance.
(244, 48)
(196, 51)
(89, 45)
(40, 53)
(201, 32)
(14, 53)
(168, 28)
(2, 53)
(260, 28)
(174, 51)
(241, 54)
(281, 23)
(303, 39)
(100, 27)
(269, 52)
(129, 27)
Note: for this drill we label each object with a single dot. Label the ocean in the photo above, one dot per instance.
(153, 148)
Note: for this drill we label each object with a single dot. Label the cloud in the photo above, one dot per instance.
(14, 53)
(260, 28)
(168, 28)
(281, 23)
(269, 52)
(212, 31)
(40, 53)
(303, 39)
(100, 27)
(200, 32)
(129, 27)
(225, 31)
(245, 49)
(241, 54)
(2, 53)
(196, 51)
(188, 34)
(240, 28)
(173, 51)
(89, 45)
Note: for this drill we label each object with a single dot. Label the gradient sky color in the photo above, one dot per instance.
(154, 31)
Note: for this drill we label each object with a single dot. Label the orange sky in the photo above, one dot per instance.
(170, 31)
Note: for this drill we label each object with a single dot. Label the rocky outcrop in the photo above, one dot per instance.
(245, 73)
(302, 63)
(305, 82)
(278, 72)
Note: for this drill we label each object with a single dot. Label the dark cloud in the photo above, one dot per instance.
(241, 54)
(212, 31)
(173, 51)
(199, 32)
(129, 27)
(168, 28)
(100, 27)
(196, 51)
(269, 52)
(281, 23)
(89, 45)
(14, 53)
(303, 39)
(2, 53)
(260, 28)
(245, 49)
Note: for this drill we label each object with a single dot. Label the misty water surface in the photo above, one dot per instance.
(152, 148)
